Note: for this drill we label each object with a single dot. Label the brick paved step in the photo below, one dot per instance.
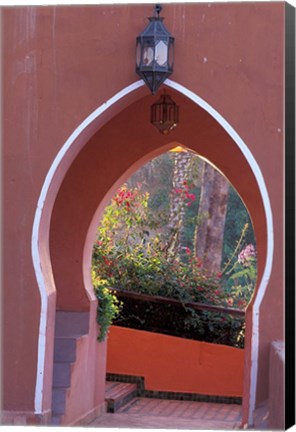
(150, 413)
(118, 394)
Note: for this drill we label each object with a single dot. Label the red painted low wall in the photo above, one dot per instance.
(173, 364)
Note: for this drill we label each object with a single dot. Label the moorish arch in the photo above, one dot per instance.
(106, 148)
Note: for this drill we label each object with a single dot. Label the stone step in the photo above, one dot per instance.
(71, 324)
(61, 374)
(118, 394)
(58, 401)
(65, 349)
(55, 420)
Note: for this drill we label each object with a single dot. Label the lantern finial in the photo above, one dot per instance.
(158, 9)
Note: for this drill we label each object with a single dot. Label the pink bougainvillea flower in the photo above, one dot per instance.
(246, 255)
(187, 250)
(198, 262)
(241, 302)
(107, 261)
(230, 301)
(178, 190)
(219, 274)
(190, 196)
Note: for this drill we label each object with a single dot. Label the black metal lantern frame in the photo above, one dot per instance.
(155, 52)
(165, 114)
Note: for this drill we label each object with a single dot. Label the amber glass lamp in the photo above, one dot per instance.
(165, 114)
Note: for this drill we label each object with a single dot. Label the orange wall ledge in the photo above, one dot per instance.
(173, 364)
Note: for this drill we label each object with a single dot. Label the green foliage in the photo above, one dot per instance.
(240, 271)
(131, 254)
(156, 178)
(236, 218)
(108, 307)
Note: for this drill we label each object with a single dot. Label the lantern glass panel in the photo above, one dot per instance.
(161, 53)
(138, 54)
(147, 56)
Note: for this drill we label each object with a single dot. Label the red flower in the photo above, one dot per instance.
(219, 274)
(241, 302)
(190, 196)
(106, 261)
(198, 262)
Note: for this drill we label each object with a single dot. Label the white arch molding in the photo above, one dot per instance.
(41, 205)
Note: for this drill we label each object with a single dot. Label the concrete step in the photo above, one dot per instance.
(118, 394)
(55, 420)
(61, 375)
(71, 324)
(65, 349)
(58, 401)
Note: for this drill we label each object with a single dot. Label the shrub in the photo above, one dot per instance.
(108, 306)
(130, 254)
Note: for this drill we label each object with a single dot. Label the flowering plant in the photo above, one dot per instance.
(185, 193)
(130, 254)
(247, 256)
(108, 306)
(246, 266)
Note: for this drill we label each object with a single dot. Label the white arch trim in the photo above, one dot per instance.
(42, 199)
(270, 240)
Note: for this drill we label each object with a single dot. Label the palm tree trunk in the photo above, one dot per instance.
(209, 231)
(177, 203)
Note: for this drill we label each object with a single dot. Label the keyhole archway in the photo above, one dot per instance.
(94, 161)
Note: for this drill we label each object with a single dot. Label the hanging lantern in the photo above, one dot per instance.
(155, 46)
(165, 114)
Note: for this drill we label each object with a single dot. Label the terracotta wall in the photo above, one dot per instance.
(173, 364)
(59, 65)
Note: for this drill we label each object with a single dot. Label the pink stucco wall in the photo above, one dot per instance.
(59, 65)
(276, 403)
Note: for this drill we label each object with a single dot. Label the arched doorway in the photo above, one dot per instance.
(96, 159)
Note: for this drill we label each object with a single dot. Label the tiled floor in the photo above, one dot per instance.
(147, 413)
